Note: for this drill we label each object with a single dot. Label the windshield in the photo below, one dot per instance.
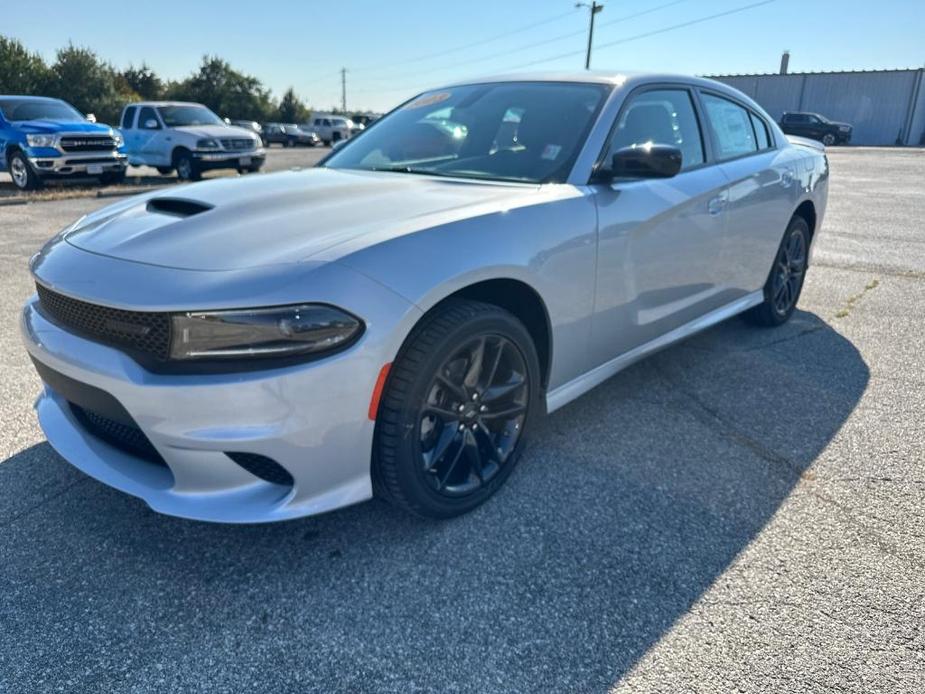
(180, 116)
(510, 131)
(38, 109)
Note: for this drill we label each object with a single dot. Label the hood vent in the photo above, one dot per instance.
(177, 207)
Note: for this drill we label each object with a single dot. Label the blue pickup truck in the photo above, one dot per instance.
(42, 138)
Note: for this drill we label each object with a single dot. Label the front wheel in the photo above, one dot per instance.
(457, 403)
(785, 282)
(828, 139)
(113, 178)
(24, 178)
(187, 168)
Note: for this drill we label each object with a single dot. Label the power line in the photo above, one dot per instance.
(570, 54)
(544, 42)
(467, 46)
(649, 33)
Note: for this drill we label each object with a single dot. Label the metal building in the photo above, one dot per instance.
(886, 107)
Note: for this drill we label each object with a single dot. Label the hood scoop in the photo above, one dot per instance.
(177, 207)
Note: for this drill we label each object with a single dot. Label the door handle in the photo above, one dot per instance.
(716, 205)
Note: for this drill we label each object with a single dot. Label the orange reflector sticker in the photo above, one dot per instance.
(377, 391)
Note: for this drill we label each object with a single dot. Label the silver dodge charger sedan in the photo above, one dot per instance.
(393, 321)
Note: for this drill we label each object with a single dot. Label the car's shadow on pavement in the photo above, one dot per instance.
(628, 504)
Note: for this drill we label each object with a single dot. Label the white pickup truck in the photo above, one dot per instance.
(188, 138)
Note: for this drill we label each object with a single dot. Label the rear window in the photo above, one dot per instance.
(731, 126)
(128, 117)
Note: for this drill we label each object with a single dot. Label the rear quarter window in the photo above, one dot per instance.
(731, 127)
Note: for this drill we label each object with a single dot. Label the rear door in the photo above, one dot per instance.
(660, 241)
(761, 194)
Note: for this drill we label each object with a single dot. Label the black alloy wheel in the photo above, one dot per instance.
(454, 412)
(473, 414)
(785, 281)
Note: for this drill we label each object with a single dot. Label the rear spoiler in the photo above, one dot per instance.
(806, 142)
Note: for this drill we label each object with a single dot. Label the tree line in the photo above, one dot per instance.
(80, 77)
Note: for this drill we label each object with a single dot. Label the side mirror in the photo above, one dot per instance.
(645, 161)
(152, 124)
(91, 118)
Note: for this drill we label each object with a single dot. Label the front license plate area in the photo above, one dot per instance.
(245, 161)
(94, 169)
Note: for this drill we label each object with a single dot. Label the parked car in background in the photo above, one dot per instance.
(187, 138)
(289, 135)
(43, 138)
(330, 129)
(394, 320)
(251, 125)
(816, 127)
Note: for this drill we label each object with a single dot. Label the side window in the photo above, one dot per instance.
(326, 122)
(145, 116)
(812, 119)
(761, 132)
(731, 127)
(128, 117)
(663, 117)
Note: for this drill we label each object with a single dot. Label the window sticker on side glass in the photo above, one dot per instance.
(428, 100)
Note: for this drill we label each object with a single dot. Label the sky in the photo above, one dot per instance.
(393, 50)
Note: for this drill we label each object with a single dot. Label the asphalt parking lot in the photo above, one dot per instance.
(278, 159)
(742, 512)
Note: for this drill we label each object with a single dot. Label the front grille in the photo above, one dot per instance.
(127, 438)
(141, 331)
(263, 467)
(243, 144)
(87, 143)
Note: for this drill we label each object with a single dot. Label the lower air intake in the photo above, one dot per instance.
(265, 468)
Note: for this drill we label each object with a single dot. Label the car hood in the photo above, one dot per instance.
(216, 131)
(62, 126)
(230, 224)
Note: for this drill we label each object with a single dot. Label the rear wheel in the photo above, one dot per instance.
(828, 139)
(24, 178)
(785, 282)
(457, 403)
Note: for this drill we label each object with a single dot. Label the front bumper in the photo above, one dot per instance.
(310, 418)
(232, 160)
(88, 163)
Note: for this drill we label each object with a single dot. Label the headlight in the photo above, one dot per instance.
(844, 128)
(118, 139)
(41, 140)
(264, 332)
(207, 143)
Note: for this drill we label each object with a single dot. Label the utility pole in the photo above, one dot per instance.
(595, 7)
(343, 89)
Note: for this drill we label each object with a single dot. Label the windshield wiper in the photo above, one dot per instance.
(403, 168)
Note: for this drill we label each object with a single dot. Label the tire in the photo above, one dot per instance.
(113, 178)
(785, 281)
(828, 139)
(187, 168)
(451, 425)
(22, 173)
(254, 168)
(165, 170)
(288, 143)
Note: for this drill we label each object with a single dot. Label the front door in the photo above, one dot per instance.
(660, 241)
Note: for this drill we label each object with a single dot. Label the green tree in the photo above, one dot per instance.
(144, 82)
(91, 85)
(21, 72)
(231, 94)
(291, 109)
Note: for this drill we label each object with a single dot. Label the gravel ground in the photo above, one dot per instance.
(742, 512)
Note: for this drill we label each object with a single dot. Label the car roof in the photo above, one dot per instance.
(615, 78)
(28, 96)
(164, 103)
